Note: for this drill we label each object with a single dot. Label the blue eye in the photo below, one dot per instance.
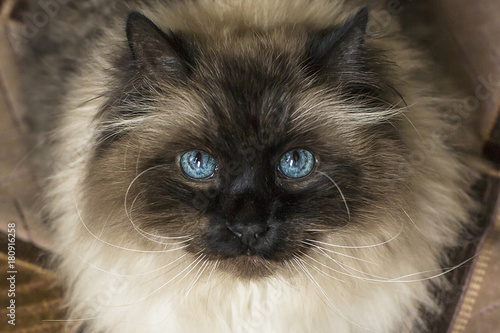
(198, 165)
(296, 164)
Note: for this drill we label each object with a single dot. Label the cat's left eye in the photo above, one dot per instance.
(296, 164)
(198, 165)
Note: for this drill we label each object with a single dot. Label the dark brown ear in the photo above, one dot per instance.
(338, 47)
(155, 51)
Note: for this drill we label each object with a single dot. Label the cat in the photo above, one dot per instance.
(247, 166)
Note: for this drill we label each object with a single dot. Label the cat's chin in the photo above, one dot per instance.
(250, 267)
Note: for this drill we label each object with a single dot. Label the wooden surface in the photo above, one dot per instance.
(37, 298)
(478, 310)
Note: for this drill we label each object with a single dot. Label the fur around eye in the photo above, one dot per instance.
(197, 165)
(296, 164)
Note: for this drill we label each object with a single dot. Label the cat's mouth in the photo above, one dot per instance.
(249, 262)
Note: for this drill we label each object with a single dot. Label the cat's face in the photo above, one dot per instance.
(246, 150)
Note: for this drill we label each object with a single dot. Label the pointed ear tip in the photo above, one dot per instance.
(364, 10)
(137, 19)
(361, 18)
(363, 13)
(135, 23)
(134, 16)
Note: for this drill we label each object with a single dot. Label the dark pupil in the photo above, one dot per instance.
(197, 159)
(295, 158)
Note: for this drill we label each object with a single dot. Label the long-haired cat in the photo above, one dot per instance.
(247, 166)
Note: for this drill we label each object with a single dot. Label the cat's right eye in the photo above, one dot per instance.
(296, 164)
(198, 165)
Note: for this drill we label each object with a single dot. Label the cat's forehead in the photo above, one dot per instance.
(239, 100)
(244, 105)
(249, 97)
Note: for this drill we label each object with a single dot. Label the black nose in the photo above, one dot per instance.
(248, 233)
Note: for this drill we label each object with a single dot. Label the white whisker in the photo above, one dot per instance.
(117, 246)
(126, 275)
(213, 269)
(335, 308)
(341, 194)
(127, 212)
(320, 271)
(195, 263)
(72, 319)
(340, 254)
(381, 279)
(411, 220)
(412, 125)
(146, 235)
(361, 246)
(196, 278)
